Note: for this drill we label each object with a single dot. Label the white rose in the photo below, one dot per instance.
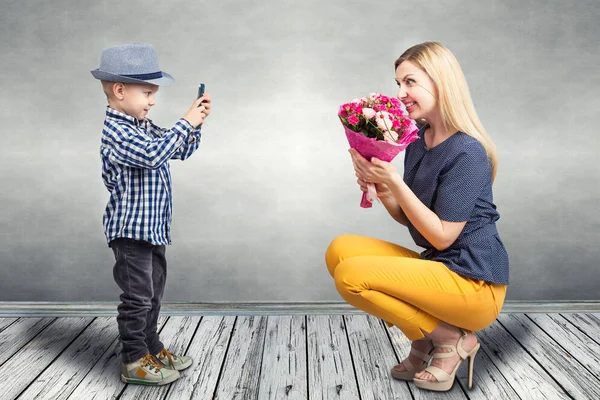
(368, 112)
(390, 136)
(384, 120)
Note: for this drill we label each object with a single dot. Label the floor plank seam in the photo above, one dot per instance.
(262, 353)
(354, 369)
(9, 325)
(29, 341)
(579, 329)
(306, 350)
(233, 328)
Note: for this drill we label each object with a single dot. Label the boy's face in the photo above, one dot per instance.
(136, 99)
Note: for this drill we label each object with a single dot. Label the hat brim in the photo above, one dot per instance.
(166, 79)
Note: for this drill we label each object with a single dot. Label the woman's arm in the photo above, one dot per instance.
(394, 209)
(441, 234)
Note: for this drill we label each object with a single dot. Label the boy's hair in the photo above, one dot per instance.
(108, 89)
(454, 99)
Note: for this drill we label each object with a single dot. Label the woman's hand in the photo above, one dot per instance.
(382, 190)
(376, 171)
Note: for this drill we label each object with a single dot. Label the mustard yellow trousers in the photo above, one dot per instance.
(392, 283)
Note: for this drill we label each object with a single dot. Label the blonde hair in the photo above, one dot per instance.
(107, 87)
(454, 99)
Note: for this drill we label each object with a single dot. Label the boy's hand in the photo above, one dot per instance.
(198, 111)
(206, 102)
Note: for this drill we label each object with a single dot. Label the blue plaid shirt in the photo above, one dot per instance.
(135, 169)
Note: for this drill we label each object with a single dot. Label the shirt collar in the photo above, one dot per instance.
(111, 113)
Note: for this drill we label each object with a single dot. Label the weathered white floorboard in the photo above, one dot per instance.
(320, 357)
(25, 365)
(241, 371)
(19, 334)
(520, 369)
(5, 322)
(283, 375)
(567, 371)
(373, 358)
(208, 349)
(61, 378)
(330, 370)
(580, 347)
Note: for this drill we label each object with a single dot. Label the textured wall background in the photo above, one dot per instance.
(256, 207)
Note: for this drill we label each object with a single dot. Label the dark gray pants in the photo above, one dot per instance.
(141, 272)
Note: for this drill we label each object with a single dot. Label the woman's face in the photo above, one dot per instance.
(416, 90)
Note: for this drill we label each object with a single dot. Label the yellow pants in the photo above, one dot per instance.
(392, 283)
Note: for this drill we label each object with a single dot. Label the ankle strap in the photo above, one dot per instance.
(420, 354)
(455, 349)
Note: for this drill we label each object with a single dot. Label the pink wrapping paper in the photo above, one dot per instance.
(381, 149)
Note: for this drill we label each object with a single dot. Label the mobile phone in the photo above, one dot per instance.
(200, 91)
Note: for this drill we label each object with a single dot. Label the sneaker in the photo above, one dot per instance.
(148, 371)
(173, 361)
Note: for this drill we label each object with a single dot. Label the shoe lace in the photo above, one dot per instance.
(164, 353)
(150, 362)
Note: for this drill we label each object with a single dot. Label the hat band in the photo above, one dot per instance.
(145, 77)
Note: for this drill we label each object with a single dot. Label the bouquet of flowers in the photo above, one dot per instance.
(377, 126)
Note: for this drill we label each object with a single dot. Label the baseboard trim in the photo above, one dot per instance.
(109, 309)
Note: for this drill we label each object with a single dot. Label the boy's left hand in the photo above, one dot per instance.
(206, 102)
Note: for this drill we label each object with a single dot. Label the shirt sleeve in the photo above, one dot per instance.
(462, 183)
(190, 145)
(136, 149)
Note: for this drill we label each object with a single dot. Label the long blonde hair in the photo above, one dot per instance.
(454, 99)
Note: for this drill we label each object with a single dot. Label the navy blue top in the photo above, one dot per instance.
(454, 179)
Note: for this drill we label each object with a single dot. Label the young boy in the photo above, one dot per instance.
(135, 168)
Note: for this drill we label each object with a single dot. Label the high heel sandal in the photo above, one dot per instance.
(409, 369)
(444, 380)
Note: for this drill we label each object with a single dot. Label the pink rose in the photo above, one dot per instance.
(373, 96)
(353, 120)
(395, 102)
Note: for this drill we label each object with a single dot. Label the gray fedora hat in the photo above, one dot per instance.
(131, 63)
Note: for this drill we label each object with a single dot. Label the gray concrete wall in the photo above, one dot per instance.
(256, 207)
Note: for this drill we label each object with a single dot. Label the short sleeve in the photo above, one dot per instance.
(462, 183)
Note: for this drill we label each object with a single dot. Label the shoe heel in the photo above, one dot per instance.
(471, 356)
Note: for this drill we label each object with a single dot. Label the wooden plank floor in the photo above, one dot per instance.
(523, 356)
